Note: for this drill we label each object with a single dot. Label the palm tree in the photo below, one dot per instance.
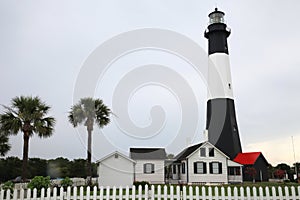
(28, 115)
(89, 111)
(4, 146)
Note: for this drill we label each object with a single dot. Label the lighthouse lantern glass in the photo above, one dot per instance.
(216, 17)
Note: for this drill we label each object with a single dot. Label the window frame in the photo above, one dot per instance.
(211, 152)
(152, 169)
(183, 168)
(197, 168)
(202, 152)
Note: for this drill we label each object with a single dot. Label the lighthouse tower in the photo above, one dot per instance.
(221, 119)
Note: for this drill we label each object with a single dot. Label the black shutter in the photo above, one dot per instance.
(145, 168)
(152, 168)
(220, 168)
(204, 168)
(210, 168)
(195, 168)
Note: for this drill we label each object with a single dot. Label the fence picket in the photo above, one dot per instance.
(152, 192)
(165, 192)
(61, 193)
(191, 193)
(34, 193)
(126, 193)
(280, 193)
(101, 192)
(210, 193)
(28, 196)
(81, 193)
(95, 193)
(75, 193)
(120, 193)
(287, 193)
(107, 192)
(88, 193)
(274, 193)
(178, 192)
(235, 193)
(267, 193)
(229, 194)
(68, 193)
(133, 193)
(159, 192)
(293, 196)
(184, 192)
(114, 194)
(140, 192)
(15, 195)
(48, 194)
(248, 191)
(298, 192)
(216, 193)
(197, 193)
(223, 193)
(42, 193)
(242, 193)
(203, 191)
(254, 190)
(261, 193)
(171, 192)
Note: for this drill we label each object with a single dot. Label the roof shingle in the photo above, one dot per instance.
(148, 153)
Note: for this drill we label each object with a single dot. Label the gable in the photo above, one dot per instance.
(113, 155)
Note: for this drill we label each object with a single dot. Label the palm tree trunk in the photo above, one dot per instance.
(25, 156)
(89, 157)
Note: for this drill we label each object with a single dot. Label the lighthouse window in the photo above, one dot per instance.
(229, 85)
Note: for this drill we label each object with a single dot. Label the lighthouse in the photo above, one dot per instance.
(221, 118)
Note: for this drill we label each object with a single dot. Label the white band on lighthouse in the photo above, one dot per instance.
(219, 77)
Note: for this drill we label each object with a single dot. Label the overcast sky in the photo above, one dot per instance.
(44, 46)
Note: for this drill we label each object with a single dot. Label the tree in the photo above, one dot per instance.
(27, 115)
(89, 112)
(279, 173)
(4, 146)
(251, 172)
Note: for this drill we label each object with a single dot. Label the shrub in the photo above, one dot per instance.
(66, 182)
(8, 185)
(39, 182)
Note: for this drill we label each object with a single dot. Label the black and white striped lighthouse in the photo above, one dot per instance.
(221, 119)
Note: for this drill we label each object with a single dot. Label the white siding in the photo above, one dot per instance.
(207, 178)
(157, 177)
(116, 172)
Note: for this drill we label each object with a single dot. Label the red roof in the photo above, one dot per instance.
(247, 158)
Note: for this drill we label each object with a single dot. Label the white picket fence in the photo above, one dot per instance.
(156, 193)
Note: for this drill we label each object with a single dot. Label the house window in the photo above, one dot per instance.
(183, 168)
(234, 171)
(148, 168)
(211, 152)
(199, 168)
(202, 152)
(215, 168)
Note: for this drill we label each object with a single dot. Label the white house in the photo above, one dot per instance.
(116, 169)
(150, 164)
(204, 163)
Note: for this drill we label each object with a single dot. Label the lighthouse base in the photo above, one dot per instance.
(222, 126)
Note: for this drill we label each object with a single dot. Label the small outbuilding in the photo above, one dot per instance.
(116, 169)
(254, 160)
